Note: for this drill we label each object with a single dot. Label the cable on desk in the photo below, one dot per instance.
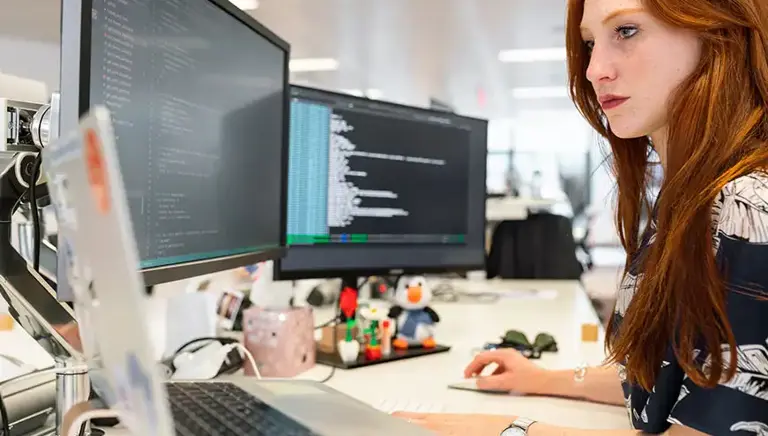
(4, 416)
(334, 323)
(35, 211)
(248, 355)
(331, 321)
(221, 339)
(329, 376)
(448, 293)
(78, 425)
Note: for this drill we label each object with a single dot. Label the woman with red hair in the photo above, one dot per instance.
(688, 342)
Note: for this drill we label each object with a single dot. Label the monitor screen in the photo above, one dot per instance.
(377, 187)
(198, 94)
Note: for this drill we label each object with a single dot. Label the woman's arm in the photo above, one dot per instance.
(600, 385)
(549, 430)
(493, 425)
(514, 372)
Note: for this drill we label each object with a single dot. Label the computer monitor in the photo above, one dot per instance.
(377, 188)
(198, 90)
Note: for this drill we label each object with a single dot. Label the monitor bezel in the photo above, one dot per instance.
(300, 274)
(76, 28)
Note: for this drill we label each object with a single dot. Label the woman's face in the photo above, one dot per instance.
(637, 61)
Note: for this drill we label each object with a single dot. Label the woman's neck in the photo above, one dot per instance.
(659, 141)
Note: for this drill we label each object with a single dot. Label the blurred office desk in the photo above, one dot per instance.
(513, 208)
(556, 307)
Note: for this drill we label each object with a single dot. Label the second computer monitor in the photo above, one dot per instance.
(377, 188)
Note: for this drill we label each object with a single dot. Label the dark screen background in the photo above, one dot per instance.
(467, 201)
(197, 101)
(434, 195)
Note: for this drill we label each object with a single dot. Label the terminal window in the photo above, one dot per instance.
(361, 175)
(198, 127)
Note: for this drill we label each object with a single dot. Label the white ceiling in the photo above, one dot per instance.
(410, 50)
(415, 49)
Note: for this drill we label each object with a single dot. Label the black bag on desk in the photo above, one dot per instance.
(539, 247)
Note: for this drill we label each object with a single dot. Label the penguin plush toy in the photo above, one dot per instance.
(415, 320)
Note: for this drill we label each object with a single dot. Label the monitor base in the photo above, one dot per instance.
(334, 360)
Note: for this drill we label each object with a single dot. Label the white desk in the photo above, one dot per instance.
(560, 309)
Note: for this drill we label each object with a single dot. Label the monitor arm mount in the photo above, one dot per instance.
(31, 298)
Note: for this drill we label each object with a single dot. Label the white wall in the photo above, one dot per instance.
(603, 196)
(31, 60)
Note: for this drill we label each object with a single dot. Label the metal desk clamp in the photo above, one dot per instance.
(73, 386)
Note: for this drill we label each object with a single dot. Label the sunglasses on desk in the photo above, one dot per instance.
(544, 343)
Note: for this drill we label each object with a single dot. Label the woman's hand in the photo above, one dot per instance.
(459, 424)
(514, 372)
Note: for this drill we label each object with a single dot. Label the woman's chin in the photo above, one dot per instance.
(627, 132)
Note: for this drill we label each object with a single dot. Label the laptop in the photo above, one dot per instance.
(87, 191)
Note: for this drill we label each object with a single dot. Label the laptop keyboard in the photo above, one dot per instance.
(221, 408)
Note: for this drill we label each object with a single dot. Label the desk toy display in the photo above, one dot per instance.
(349, 347)
(377, 332)
(415, 319)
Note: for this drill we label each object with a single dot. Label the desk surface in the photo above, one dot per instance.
(555, 307)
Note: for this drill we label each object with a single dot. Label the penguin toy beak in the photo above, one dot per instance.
(414, 294)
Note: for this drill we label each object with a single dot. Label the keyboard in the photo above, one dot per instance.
(391, 405)
(223, 409)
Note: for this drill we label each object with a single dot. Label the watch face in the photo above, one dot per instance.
(513, 431)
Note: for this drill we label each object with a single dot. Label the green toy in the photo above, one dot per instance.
(350, 329)
(373, 348)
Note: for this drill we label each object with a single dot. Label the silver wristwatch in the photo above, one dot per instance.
(518, 428)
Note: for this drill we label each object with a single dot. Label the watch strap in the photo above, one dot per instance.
(522, 424)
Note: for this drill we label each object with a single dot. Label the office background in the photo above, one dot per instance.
(497, 59)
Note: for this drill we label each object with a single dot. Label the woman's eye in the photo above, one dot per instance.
(589, 45)
(626, 32)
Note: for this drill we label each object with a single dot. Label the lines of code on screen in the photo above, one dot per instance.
(196, 98)
(361, 176)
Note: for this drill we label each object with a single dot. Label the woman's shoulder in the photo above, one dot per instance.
(751, 187)
(741, 210)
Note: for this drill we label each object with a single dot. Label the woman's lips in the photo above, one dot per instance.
(612, 102)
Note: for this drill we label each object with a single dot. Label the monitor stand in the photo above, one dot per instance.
(31, 300)
(347, 307)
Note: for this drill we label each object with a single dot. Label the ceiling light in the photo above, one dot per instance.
(533, 55)
(540, 92)
(313, 64)
(246, 5)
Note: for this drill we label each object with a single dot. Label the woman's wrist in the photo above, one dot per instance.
(563, 383)
(598, 384)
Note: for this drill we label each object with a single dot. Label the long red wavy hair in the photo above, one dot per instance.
(717, 131)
